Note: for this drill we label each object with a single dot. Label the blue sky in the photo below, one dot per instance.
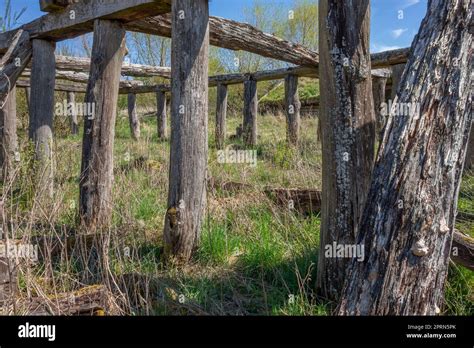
(390, 29)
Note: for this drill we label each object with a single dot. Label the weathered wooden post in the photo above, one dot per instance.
(378, 89)
(27, 97)
(469, 161)
(221, 115)
(293, 107)
(189, 127)
(95, 187)
(348, 130)
(161, 113)
(71, 102)
(397, 72)
(249, 127)
(133, 116)
(9, 141)
(43, 71)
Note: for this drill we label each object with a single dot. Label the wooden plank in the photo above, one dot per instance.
(79, 18)
(55, 5)
(14, 62)
(96, 178)
(389, 58)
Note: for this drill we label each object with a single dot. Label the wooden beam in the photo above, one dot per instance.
(189, 128)
(388, 58)
(41, 113)
(14, 62)
(292, 109)
(79, 18)
(221, 115)
(55, 5)
(95, 187)
(249, 126)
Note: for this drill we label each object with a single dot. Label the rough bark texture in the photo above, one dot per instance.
(348, 130)
(378, 88)
(292, 106)
(221, 115)
(397, 72)
(71, 99)
(9, 141)
(249, 127)
(389, 58)
(42, 112)
(407, 225)
(189, 109)
(95, 187)
(133, 116)
(161, 114)
(14, 62)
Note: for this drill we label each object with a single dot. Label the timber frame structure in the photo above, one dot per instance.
(29, 62)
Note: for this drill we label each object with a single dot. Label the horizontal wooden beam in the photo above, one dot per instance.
(388, 58)
(78, 19)
(235, 36)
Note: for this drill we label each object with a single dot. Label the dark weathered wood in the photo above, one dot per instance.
(348, 130)
(71, 100)
(389, 58)
(221, 115)
(95, 187)
(397, 72)
(27, 96)
(292, 107)
(79, 18)
(233, 35)
(136, 70)
(189, 128)
(378, 89)
(55, 5)
(469, 161)
(42, 112)
(14, 62)
(133, 116)
(249, 127)
(9, 154)
(161, 114)
(407, 225)
(462, 250)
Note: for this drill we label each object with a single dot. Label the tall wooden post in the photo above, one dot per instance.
(189, 127)
(28, 96)
(249, 127)
(71, 100)
(8, 137)
(293, 107)
(221, 115)
(43, 70)
(95, 187)
(133, 116)
(397, 72)
(378, 91)
(469, 161)
(161, 113)
(348, 130)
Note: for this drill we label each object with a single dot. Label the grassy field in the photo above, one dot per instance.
(255, 258)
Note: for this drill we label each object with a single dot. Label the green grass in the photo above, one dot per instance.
(254, 258)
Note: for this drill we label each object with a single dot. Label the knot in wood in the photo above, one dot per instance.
(420, 248)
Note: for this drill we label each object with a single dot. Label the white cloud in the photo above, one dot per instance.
(398, 32)
(376, 48)
(409, 3)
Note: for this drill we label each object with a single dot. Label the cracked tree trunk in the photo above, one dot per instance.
(95, 187)
(348, 131)
(189, 128)
(407, 225)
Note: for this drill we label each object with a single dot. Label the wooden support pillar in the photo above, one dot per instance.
(28, 96)
(221, 115)
(133, 116)
(293, 107)
(249, 126)
(189, 127)
(42, 84)
(161, 114)
(71, 100)
(9, 141)
(378, 89)
(95, 187)
(397, 72)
